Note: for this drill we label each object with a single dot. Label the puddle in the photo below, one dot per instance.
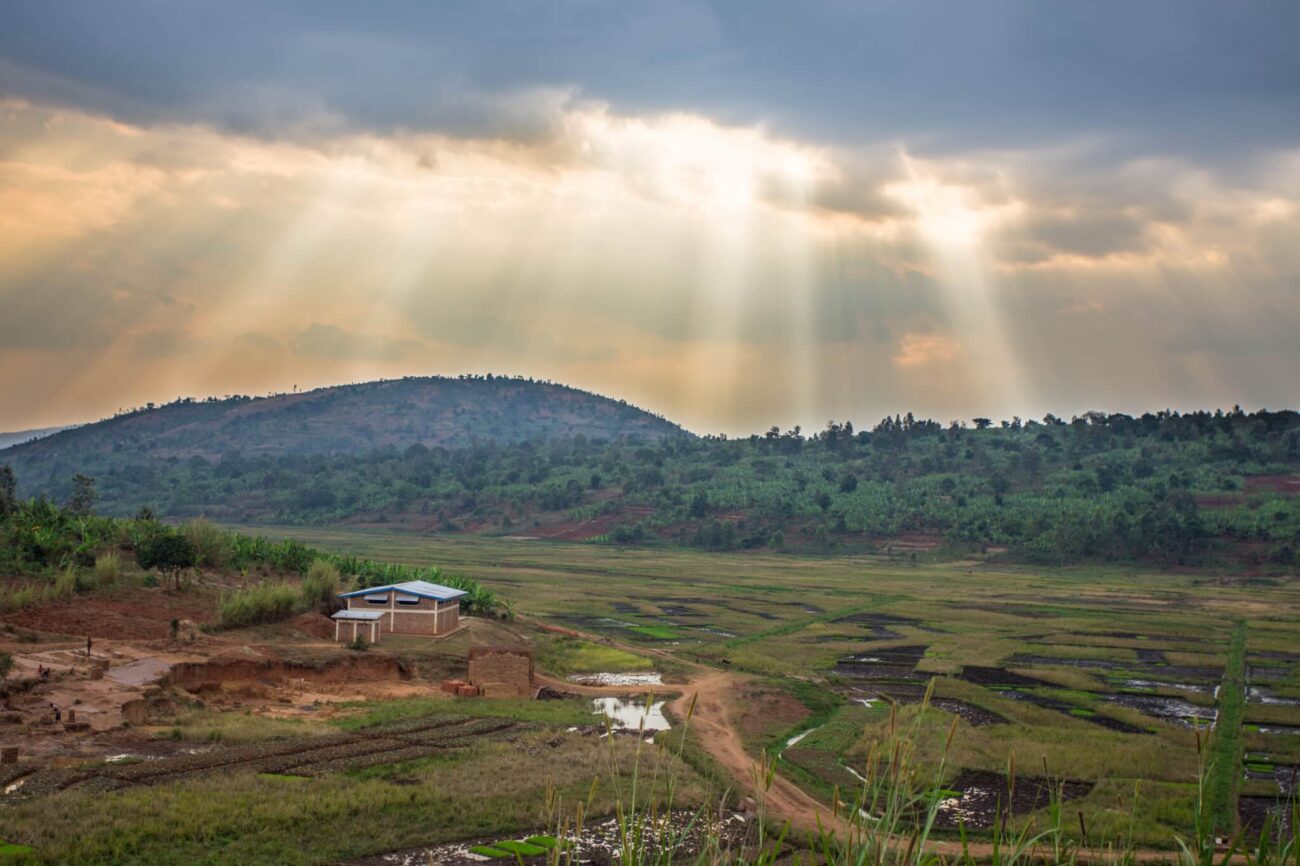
(128, 756)
(141, 672)
(797, 738)
(612, 679)
(1164, 684)
(1261, 695)
(1175, 710)
(630, 714)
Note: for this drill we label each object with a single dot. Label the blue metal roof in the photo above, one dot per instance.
(367, 615)
(422, 588)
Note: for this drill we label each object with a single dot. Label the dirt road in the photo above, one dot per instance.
(712, 691)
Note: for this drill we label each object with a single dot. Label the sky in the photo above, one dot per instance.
(737, 215)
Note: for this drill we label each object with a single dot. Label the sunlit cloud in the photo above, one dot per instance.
(727, 276)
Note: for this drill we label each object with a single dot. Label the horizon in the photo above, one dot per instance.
(732, 216)
(858, 424)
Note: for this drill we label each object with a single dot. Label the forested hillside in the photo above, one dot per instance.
(347, 419)
(1164, 487)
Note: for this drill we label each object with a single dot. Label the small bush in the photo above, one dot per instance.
(359, 644)
(320, 585)
(108, 567)
(268, 602)
(18, 599)
(65, 585)
(211, 543)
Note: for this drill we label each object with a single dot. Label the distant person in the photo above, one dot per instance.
(58, 713)
(87, 645)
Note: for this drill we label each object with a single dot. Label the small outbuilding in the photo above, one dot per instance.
(351, 624)
(413, 607)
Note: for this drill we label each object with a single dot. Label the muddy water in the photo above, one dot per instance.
(630, 714)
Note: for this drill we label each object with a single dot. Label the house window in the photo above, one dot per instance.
(379, 598)
(408, 599)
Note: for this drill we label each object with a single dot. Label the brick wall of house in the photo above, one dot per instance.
(502, 672)
(408, 622)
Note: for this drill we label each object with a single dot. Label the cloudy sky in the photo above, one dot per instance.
(736, 214)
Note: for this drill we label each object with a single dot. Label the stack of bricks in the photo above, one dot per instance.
(459, 688)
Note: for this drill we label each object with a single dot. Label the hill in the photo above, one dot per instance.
(434, 412)
(17, 437)
(1189, 488)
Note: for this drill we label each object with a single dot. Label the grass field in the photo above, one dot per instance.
(1096, 675)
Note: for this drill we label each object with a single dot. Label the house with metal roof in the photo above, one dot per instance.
(413, 607)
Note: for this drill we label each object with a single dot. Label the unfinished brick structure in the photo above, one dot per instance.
(502, 671)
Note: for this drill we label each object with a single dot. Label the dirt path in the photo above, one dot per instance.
(711, 691)
(710, 720)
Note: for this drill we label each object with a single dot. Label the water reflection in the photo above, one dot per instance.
(632, 714)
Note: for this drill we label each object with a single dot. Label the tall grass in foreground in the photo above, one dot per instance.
(890, 821)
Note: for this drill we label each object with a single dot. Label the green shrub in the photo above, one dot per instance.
(320, 585)
(108, 567)
(359, 644)
(211, 543)
(267, 602)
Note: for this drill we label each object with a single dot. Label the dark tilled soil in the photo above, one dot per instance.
(1065, 708)
(986, 676)
(984, 794)
(887, 663)
(1028, 660)
(1255, 811)
(383, 744)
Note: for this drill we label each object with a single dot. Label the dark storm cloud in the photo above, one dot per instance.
(1174, 75)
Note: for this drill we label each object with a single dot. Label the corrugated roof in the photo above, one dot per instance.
(421, 588)
(359, 614)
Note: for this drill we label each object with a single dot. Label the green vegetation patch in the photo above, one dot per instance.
(547, 842)
(563, 655)
(657, 632)
(1226, 747)
(488, 851)
(523, 849)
